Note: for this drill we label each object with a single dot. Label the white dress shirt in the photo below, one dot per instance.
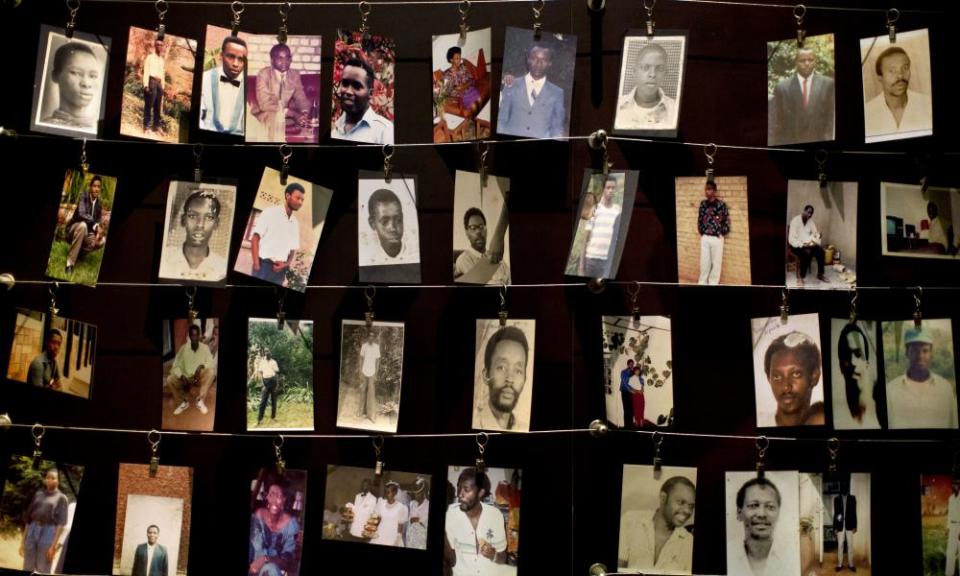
(279, 233)
(917, 119)
(363, 506)
(534, 86)
(369, 353)
(372, 128)
(227, 95)
(803, 234)
(268, 367)
(638, 546)
(466, 542)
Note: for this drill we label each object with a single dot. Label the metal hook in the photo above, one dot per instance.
(537, 25)
(73, 6)
(281, 315)
(236, 9)
(502, 315)
(481, 439)
(484, 151)
(892, 16)
(634, 291)
(710, 151)
(364, 8)
(197, 156)
(368, 316)
(285, 153)
(38, 431)
(387, 165)
(762, 444)
(798, 13)
(650, 23)
(153, 439)
(657, 439)
(464, 9)
(52, 290)
(598, 141)
(821, 159)
(191, 294)
(784, 306)
(378, 450)
(284, 10)
(917, 314)
(853, 304)
(161, 7)
(833, 447)
(281, 464)
(84, 165)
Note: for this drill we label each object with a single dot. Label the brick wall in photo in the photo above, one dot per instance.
(736, 249)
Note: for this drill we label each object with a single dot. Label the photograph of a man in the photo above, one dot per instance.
(83, 222)
(279, 374)
(897, 89)
(151, 556)
(856, 392)
(918, 222)
(953, 528)
(921, 379)
(845, 527)
(481, 250)
(58, 355)
(279, 95)
(196, 233)
(638, 358)
(805, 243)
(388, 233)
(821, 234)
(461, 86)
(600, 231)
(713, 225)
(190, 372)
(762, 524)
(801, 96)
(223, 87)
(371, 371)
(713, 236)
(44, 372)
(651, 82)
(363, 88)
(504, 367)
(153, 77)
(276, 236)
(788, 371)
(475, 531)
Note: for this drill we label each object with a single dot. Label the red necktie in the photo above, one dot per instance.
(806, 94)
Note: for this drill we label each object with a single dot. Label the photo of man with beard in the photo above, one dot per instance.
(475, 541)
(506, 359)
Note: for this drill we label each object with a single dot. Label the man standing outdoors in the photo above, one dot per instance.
(154, 80)
(802, 109)
(84, 234)
(267, 369)
(804, 240)
(713, 224)
(896, 108)
(276, 237)
(358, 121)
(758, 507)
(504, 373)
(193, 365)
(150, 558)
(920, 398)
(626, 395)
(475, 227)
(792, 364)
(601, 232)
(953, 528)
(532, 106)
(194, 260)
(44, 371)
(279, 91)
(647, 106)
(659, 540)
(369, 368)
(845, 526)
(386, 220)
(223, 90)
(475, 535)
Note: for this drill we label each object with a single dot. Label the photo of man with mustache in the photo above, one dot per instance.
(903, 107)
(504, 375)
(758, 509)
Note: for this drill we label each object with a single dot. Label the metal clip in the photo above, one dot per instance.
(387, 166)
(853, 305)
(236, 8)
(281, 315)
(191, 294)
(634, 292)
(657, 439)
(892, 16)
(482, 439)
(364, 8)
(821, 159)
(84, 165)
(798, 13)
(53, 310)
(197, 156)
(280, 464)
(762, 444)
(161, 7)
(648, 6)
(5, 421)
(153, 439)
(464, 9)
(917, 314)
(369, 292)
(73, 6)
(484, 150)
(502, 314)
(784, 306)
(38, 431)
(833, 447)
(378, 450)
(285, 153)
(598, 141)
(710, 151)
(537, 25)
(284, 9)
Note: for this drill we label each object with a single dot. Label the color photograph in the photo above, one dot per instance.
(388, 230)
(461, 86)
(762, 520)
(638, 370)
(223, 83)
(600, 230)
(482, 523)
(196, 232)
(846, 525)
(190, 351)
(53, 353)
(283, 89)
(277, 516)
(940, 523)
(919, 224)
(713, 231)
(921, 377)
(788, 371)
(503, 375)
(801, 96)
(897, 86)
(371, 371)
(651, 83)
(363, 78)
(279, 375)
(481, 230)
(821, 235)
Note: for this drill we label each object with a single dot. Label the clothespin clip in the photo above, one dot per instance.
(38, 431)
(84, 165)
(464, 9)
(161, 7)
(484, 150)
(364, 8)
(482, 439)
(73, 6)
(853, 305)
(892, 16)
(657, 439)
(387, 165)
(197, 155)
(236, 8)
(153, 438)
(598, 141)
(798, 13)
(634, 292)
(280, 464)
(284, 9)
(502, 315)
(368, 316)
(710, 151)
(281, 315)
(537, 25)
(52, 309)
(833, 447)
(917, 314)
(648, 6)
(378, 451)
(762, 444)
(784, 306)
(285, 153)
(191, 294)
(821, 158)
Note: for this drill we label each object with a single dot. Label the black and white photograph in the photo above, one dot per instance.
(801, 95)
(846, 539)
(857, 390)
(189, 372)
(482, 523)
(917, 223)
(602, 222)
(481, 229)
(762, 521)
(657, 519)
(821, 235)
(371, 370)
(638, 371)
(503, 375)
(196, 232)
(70, 84)
(388, 230)
(279, 375)
(921, 378)
(651, 83)
(277, 517)
(897, 86)
(53, 353)
(223, 86)
(788, 371)
(811, 528)
(462, 85)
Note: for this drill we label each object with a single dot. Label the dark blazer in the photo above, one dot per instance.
(545, 119)
(87, 212)
(157, 568)
(790, 122)
(843, 521)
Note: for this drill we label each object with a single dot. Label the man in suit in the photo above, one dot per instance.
(802, 108)
(531, 105)
(84, 234)
(845, 526)
(279, 94)
(150, 558)
(222, 93)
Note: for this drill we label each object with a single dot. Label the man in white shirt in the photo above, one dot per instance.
(358, 121)
(647, 106)
(758, 507)
(920, 398)
(897, 111)
(364, 504)
(192, 365)
(804, 240)
(939, 239)
(369, 368)
(953, 528)
(475, 542)
(193, 259)
(657, 542)
(419, 517)
(222, 91)
(601, 233)
(475, 227)
(267, 369)
(276, 237)
(150, 558)
(154, 80)
(386, 220)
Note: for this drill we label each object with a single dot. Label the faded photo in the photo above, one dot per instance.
(821, 235)
(801, 96)
(657, 519)
(371, 370)
(919, 224)
(364, 71)
(223, 81)
(811, 523)
(713, 230)
(283, 89)
(70, 84)
(196, 232)
(389, 510)
(36, 514)
(481, 230)
(897, 86)
(602, 222)
(940, 523)
(482, 523)
(921, 377)
(846, 543)
(153, 521)
(283, 231)
(190, 353)
(857, 390)
(279, 375)
(388, 230)
(537, 85)
(762, 522)
(788, 371)
(651, 83)
(503, 375)
(461, 86)
(53, 353)
(277, 516)
(638, 371)
(158, 86)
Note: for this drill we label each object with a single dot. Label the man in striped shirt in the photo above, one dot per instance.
(601, 230)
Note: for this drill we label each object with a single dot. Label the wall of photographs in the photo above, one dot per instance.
(581, 494)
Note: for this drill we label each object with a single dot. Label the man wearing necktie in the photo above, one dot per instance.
(802, 108)
(279, 93)
(531, 105)
(222, 91)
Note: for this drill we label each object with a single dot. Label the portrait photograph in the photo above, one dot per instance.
(158, 86)
(388, 230)
(637, 371)
(801, 96)
(277, 516)
(762, 522)
(921, 378)
(223, 82)
(389, 510)
(845, 527)
(371, 370)
(940, 523)
(364, 72)
(36, 514)
(651, 83)
(713, 231)
(602, 222)
(857, 390)
(461, 86)
(492, 547)
(279, 375)
(481, 230)
(657, 519)
(503, 375)
(821, 235)
(788, 371)
(190, 351)
(70, 84)
(153, 520)
(53, 353)
(919, 224)
(83, 221)
(196, 232)
(537, 84)
(897, 86)
(281, 237)
(283, 89)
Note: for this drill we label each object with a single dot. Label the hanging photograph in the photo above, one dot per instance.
(371, 370)
(788, 371)
(277, 515)
(388, 231)
(70, 84)
(651, 82)
(811, 527)
(921, 377)
(537, 85)
(153, 520)
(897, 87)
(283, 89)
(481, 230)
(821, 235)
(158, 86)
(279, 375)
(503, 375)
(196, 232)
(637, 371)
(363, 79)
(657, 519)
(461, 86)
(857, 391)
(940, 523)
(919, 224)
(713, 230)
(600, 230)
(223, 84)
(490, 544)
(762, 523)
(36, 514)
(53, 353)
(846, 525)
(390, 510)
(801, 96)
(190, 351)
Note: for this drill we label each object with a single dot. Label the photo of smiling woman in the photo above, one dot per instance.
(503, 375)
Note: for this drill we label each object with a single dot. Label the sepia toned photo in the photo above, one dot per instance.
(921, 385)
(637, 371)
(223, 86)
(788, 371)
(821, 235)
(279, 375)
(919, 224)
(482, 523)
(481, 230)
(897, 86)
(762, 523)
(277, 516)
(657, 519)
(70, 83)
(801, 96)
(54, 353)
(190, 351)
(603, 219)
(651, 83)
(371, 370)
(811, 528)
(857, 390)
(364, 72)
(503, 375)
(461, 86)
(196, 232)
(846, 543)
(940, 523)
(283, 89)
(388, 230)
(713, 235)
